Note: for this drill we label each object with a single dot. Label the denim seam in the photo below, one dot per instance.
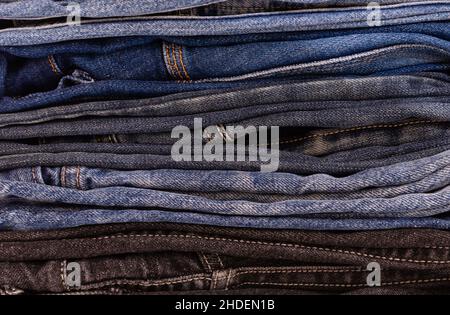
(206, 262)
(345, 285)
(175, 61)
(229, 277)
(437, 247)
(404, 47)
(385, 126)
(331, 63)
(168, 60)
(295, 270)
(146, 283)
(181, 61)
(55, 69)
(340, 251)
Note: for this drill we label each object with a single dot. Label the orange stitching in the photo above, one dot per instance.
(169, 61)
(175, 57)
(180, 50)
(362, 128)
(53, 65)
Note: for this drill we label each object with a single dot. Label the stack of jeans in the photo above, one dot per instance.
(340, 182)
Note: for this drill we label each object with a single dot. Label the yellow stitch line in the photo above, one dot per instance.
(175, 62)
(180, 50)
(354, 253)
(361, 128)
(169, 61)
(51, 61)
(345, 285)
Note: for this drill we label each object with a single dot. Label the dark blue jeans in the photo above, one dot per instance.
(54, 74)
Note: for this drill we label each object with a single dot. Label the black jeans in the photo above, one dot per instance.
(171, 258)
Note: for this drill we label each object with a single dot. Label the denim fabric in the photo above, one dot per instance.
(185, 272)
(323, 94)
(308, 114)
(34, 218)
(157, 255)
(89, 70)
(26, 9)
(291, 162)
(426, 175)
(362, 153)
(408, 140)
(420, 12)
(420, 194)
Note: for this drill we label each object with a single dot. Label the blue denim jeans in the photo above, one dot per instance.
(105, 8)
(417, 194)
(328, 19)
(149, 67)
(375, 111)
(327, 94)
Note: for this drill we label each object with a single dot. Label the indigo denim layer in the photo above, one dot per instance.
(366, 146)
(44, 9)
(70, 71)
(417, 12)
(405, 96)
(416, 198)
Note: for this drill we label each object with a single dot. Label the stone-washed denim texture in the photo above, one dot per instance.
(328, 19)
(26, 9)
